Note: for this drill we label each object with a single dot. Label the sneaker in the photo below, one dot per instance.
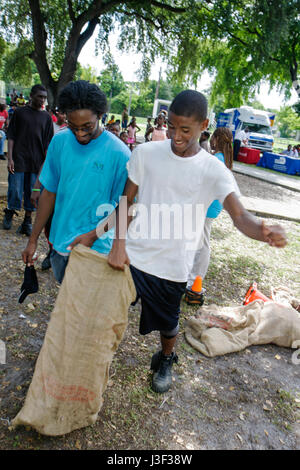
(194, 298)
(2, 157)
(26, 227)
(7, 221)
(162, 366)
(46, 262)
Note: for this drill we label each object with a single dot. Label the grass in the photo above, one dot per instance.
(134, 417)
(281, 143)
(296, 177)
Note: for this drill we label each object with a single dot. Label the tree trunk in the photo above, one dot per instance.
(74, 46)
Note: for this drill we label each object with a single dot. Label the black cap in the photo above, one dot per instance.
(30, 284)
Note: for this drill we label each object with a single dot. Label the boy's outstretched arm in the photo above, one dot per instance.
(249, 225)
(117, 257)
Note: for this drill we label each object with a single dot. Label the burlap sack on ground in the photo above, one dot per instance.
(86, 326)
(221, 330)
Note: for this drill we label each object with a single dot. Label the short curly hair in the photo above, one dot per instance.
(190, 103)
(82, 95)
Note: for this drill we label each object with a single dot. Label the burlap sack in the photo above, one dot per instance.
(86, 326)
(221, 330)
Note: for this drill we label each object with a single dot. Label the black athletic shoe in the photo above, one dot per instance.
(2, 157)
(26, 227)
(46, 262)
(8, 216)
(194, 298)
(162, 366)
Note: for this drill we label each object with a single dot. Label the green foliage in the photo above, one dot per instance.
(111, 80)
(239, 42)
(18, 67)
(296, 108)
(287, 121)
(86, 73)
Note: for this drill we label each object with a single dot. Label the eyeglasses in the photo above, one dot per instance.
(86, 128)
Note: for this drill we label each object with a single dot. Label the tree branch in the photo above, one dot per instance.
(139, 15)
(71, 11)
(86, 35)
(39, 39)
(164, 6)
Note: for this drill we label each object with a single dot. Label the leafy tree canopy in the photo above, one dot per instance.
(240, 42)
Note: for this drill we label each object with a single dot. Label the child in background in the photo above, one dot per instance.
(221, 145)
(60, 123)
(149, 126)
(124, 137)
(114, 128)
(132, 130)
(112, 120)
(204, 138)
(159, 132)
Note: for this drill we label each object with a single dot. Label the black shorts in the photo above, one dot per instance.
(160, 301)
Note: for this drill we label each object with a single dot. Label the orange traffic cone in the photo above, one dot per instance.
(195, 295)
(253, 294)
(197, 285)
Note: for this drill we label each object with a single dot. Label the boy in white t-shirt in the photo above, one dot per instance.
(176, 181)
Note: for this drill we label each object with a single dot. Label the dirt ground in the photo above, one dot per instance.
(245, 400)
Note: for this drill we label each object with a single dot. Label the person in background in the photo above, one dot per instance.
(103, 119)
(132, 129)
(3, 128)
(159, 132)
(124, 118)
(21, 100)
(11, 111)
(295, 151)
(165, 115)
(204, 140)
(241, 137)
(61, 122)
(221, 145)
(52, 113)
(124, 137)
(148, 126)
(29, 134)
(288, 152)
(112, 120)
(114, 128)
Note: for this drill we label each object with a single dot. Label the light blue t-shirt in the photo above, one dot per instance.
(215, 208)
(88, 181)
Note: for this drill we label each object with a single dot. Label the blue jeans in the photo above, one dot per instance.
(20, 185)
(2, 140)
(58, 264)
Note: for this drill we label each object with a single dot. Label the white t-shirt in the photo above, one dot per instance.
(241, 135)
(173, 197)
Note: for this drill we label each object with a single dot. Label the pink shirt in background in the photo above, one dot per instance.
(159, 134)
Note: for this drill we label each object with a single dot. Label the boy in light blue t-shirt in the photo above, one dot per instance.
(84, 175)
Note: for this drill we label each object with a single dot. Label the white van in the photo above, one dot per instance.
(259, 123)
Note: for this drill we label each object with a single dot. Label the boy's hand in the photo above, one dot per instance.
(28, 253)
(10, 165)
(274, 235)
(34, 198)
(86, 239)
(118, 257)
